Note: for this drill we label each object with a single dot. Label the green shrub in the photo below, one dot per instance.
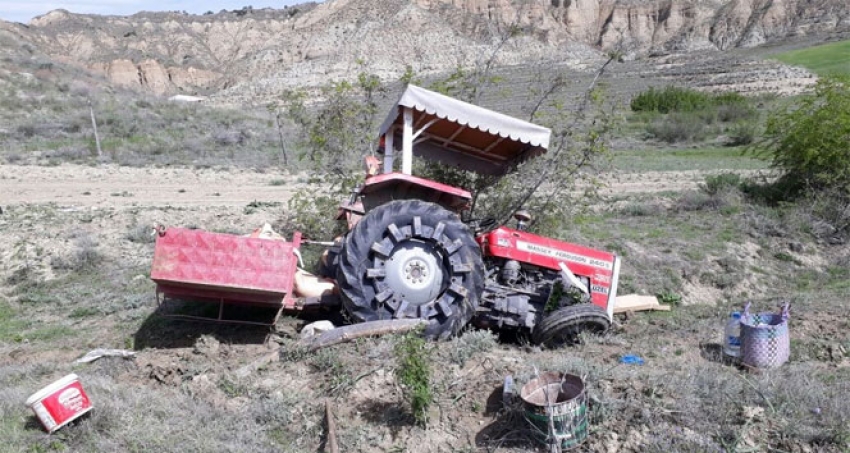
(730, 98)
(642, 209)
(312, 214)
(669, 298)
(715, 184)
(471, 344)
(689, 115)
(413, 355)
(675, 99)
(741, 133)
(680, 127)
(730, 113)
(670, 99)
(808, 142)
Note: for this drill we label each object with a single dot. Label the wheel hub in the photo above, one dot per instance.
(415, 272)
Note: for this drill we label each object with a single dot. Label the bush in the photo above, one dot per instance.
(825, 216)
(85, 258)
(670, 99)
(719, 183)
(808, 142)
(730, 113)
(678, 128)
(719, 192)
(674, 99)
(742, 133)
(688, 113)
(141, 234)
(471, 344)
(642, 209)
(313, 214)
(730, 98)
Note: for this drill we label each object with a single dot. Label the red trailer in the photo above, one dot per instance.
(225, 269)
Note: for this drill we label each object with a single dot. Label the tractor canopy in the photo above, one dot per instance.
(456, 133)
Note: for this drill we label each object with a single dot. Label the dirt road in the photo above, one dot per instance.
(104, 186)
(114, 186)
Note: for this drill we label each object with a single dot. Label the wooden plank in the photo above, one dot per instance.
(331, 445)
(365, 329)
(636, 302)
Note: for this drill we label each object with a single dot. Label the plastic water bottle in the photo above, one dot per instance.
(508, 390)
(732, 336)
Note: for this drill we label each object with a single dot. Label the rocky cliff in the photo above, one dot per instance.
(313, 43)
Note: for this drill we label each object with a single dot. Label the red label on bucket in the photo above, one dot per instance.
(63, 405)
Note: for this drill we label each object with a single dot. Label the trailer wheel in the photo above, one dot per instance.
(411, 259)
(563, 325)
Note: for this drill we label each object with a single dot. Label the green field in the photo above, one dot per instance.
(833, 58)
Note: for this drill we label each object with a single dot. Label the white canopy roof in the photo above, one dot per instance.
(462, 134)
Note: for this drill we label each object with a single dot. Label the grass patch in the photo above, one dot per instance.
(14, 328)
(832, 58)
(51, 333)
(671, 159)
(10, 325)
(84, 312)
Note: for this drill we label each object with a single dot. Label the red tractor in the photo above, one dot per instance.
(411, 256)
(408, 253)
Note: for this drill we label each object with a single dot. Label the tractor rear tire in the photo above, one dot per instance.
(564, 325)
(411, 259)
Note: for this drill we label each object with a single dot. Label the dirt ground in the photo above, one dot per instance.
(104, 186)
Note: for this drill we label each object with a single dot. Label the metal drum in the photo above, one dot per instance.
(556, 408)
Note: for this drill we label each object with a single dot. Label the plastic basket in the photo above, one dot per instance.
(765, 342)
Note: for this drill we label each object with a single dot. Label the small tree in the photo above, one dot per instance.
(335, 134)
(545, 185)
(810, 142)
(338, 132)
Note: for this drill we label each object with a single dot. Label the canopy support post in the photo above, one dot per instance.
(389, 150)
(407, 143)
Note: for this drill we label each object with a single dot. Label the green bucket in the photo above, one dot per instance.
(560, 398)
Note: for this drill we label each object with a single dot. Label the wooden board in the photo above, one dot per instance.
(636, 302)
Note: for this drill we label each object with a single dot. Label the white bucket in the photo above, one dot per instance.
(60, 403)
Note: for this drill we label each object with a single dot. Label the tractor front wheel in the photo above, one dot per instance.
(411, 259)
(564, 325)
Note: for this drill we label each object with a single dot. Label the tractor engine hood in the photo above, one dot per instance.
(602, 268)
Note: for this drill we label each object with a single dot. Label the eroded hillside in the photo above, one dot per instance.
(312, 43)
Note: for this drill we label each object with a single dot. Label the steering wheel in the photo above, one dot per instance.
(482, 225)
